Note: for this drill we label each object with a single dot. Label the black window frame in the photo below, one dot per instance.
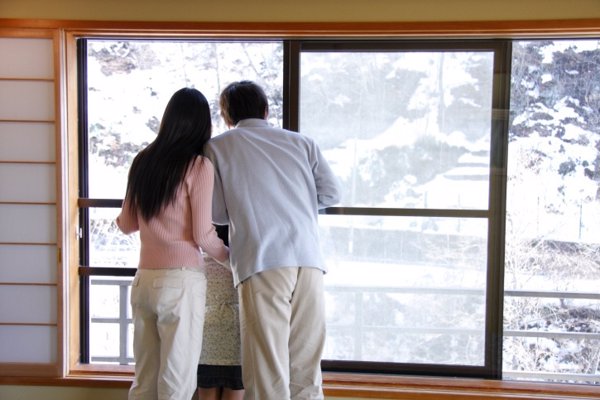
(495, 213)
(492, 368)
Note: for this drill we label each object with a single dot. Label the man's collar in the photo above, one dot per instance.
(251, 122)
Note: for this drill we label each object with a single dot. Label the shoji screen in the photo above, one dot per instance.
(29, 267)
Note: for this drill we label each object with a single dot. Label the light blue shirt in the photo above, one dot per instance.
(269, 185)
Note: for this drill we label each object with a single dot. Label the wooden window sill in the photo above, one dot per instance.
(431, 388)
(363, 386)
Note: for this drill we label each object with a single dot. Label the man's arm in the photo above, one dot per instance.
(328, 187)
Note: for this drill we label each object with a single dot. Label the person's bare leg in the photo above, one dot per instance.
(229, 394)
(209, 393)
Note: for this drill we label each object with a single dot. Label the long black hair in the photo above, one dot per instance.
(159, 169)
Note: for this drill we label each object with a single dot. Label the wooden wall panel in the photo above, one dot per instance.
(27, 223)
(29, 58)
(30, 305)
(26, 263)
(27, 183)
(27, 100)
(17, 139)
(29, 344)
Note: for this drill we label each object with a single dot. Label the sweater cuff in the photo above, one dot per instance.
(225, 264)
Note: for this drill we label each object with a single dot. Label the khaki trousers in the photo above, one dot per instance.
(168, 317)
(282, 324)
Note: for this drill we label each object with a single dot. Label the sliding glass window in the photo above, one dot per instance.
(410, 129)
(466, 241)
(124, 88)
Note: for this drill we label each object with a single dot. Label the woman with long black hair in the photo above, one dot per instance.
(169, 200)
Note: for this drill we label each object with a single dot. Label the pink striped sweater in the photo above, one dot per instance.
(176, 237)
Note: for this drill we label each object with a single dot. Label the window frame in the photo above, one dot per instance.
(293, 50)
(494, 214)
(336, 384)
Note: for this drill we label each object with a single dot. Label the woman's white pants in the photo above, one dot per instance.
(168, 318)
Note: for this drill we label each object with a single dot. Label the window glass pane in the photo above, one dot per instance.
(130, 83)
(552, 272)
(104, 343)
(110, 320)
(109, 247)
(402, 129)
(405, 290)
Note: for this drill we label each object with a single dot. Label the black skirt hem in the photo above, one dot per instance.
(227, 376)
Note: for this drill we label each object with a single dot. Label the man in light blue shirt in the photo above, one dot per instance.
(269, 185)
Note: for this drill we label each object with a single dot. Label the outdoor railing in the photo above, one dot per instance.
(124, 321)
